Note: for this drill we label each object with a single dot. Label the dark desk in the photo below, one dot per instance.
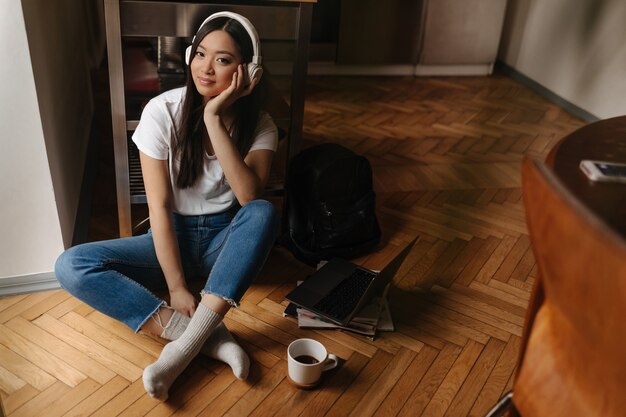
(604, 141)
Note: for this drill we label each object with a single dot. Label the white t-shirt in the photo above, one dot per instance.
(154, 137)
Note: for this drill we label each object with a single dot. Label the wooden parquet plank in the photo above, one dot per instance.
(297, 402)
(122, 400)
(400, 340)
(7, 302)
(147, 344)
(491, 300)
(481, 225)
(461, 296)
(407, 383)
(64, 307)
(523, 268)
(109, 340)
(62, 350)
(458, 373)
(333, 388)
(416, 323)
(495, 384)
(419, 250)
(495, 260)
(421, 334)
(521, 285)
(38, 405)
(42, 307)
(40, 357)
(384, 384)
(12, 402)
(510, 289)
(438, 297)
(83, 309)
(416, 276)
(481, 256)
(502, 295)
(454, 268)
(283, 394)
(491, 215)
(249, 401)
(113, 361)
(25, 370)
(352, 396)
(71, 398)
(227, 398)
(423, 392)
(9, 382)
(99, 398)
(473, 384)
(427, 309)
(25, 304)
(437, 269)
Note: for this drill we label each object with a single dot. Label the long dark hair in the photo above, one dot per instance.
(188, 146)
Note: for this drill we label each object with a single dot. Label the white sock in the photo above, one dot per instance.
(221, 345)
(176, 326)
(176, 355)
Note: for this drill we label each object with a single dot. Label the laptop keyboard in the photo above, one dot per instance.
(345, 296)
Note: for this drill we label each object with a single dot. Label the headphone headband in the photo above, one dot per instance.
(254, 37)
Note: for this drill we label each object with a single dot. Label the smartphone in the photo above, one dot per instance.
(603, 171)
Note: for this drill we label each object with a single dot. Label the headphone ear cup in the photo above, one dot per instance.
(188, 55)
(255, 72)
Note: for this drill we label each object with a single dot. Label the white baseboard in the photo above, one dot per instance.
(28, 283)
(453, 70)
(330, 68)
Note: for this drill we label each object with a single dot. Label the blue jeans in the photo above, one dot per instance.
(117, 276)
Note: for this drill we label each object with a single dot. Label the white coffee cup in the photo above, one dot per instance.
(306, 360)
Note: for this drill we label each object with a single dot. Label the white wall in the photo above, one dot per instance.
(575, 48)
(46, 107)
(30, 230)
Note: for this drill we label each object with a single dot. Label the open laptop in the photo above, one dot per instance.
(339, 289)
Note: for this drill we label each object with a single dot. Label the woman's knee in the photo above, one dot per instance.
(262, 213)
(70, 266)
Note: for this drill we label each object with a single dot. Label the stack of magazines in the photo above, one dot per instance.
(373, 317)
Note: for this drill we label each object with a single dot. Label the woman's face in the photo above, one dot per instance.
(214, 63)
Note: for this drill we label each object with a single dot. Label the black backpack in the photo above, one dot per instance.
(330, 205)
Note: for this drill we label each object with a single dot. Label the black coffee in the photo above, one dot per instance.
(306, 359)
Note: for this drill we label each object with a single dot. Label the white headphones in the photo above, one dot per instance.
(254, 68)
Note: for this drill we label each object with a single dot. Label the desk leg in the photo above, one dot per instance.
(118, 114)
(305, 13)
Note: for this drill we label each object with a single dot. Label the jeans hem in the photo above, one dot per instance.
(163, 303)
(230, 301)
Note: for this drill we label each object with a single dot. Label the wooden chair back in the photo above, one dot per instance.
(574, 359)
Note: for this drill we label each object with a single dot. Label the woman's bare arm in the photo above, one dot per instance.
(159, 193)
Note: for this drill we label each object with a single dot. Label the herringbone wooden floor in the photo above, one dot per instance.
(446, 155)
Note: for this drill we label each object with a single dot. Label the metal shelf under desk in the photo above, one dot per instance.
(276, 21)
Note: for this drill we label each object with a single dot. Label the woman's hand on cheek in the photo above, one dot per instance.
(218, 104)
